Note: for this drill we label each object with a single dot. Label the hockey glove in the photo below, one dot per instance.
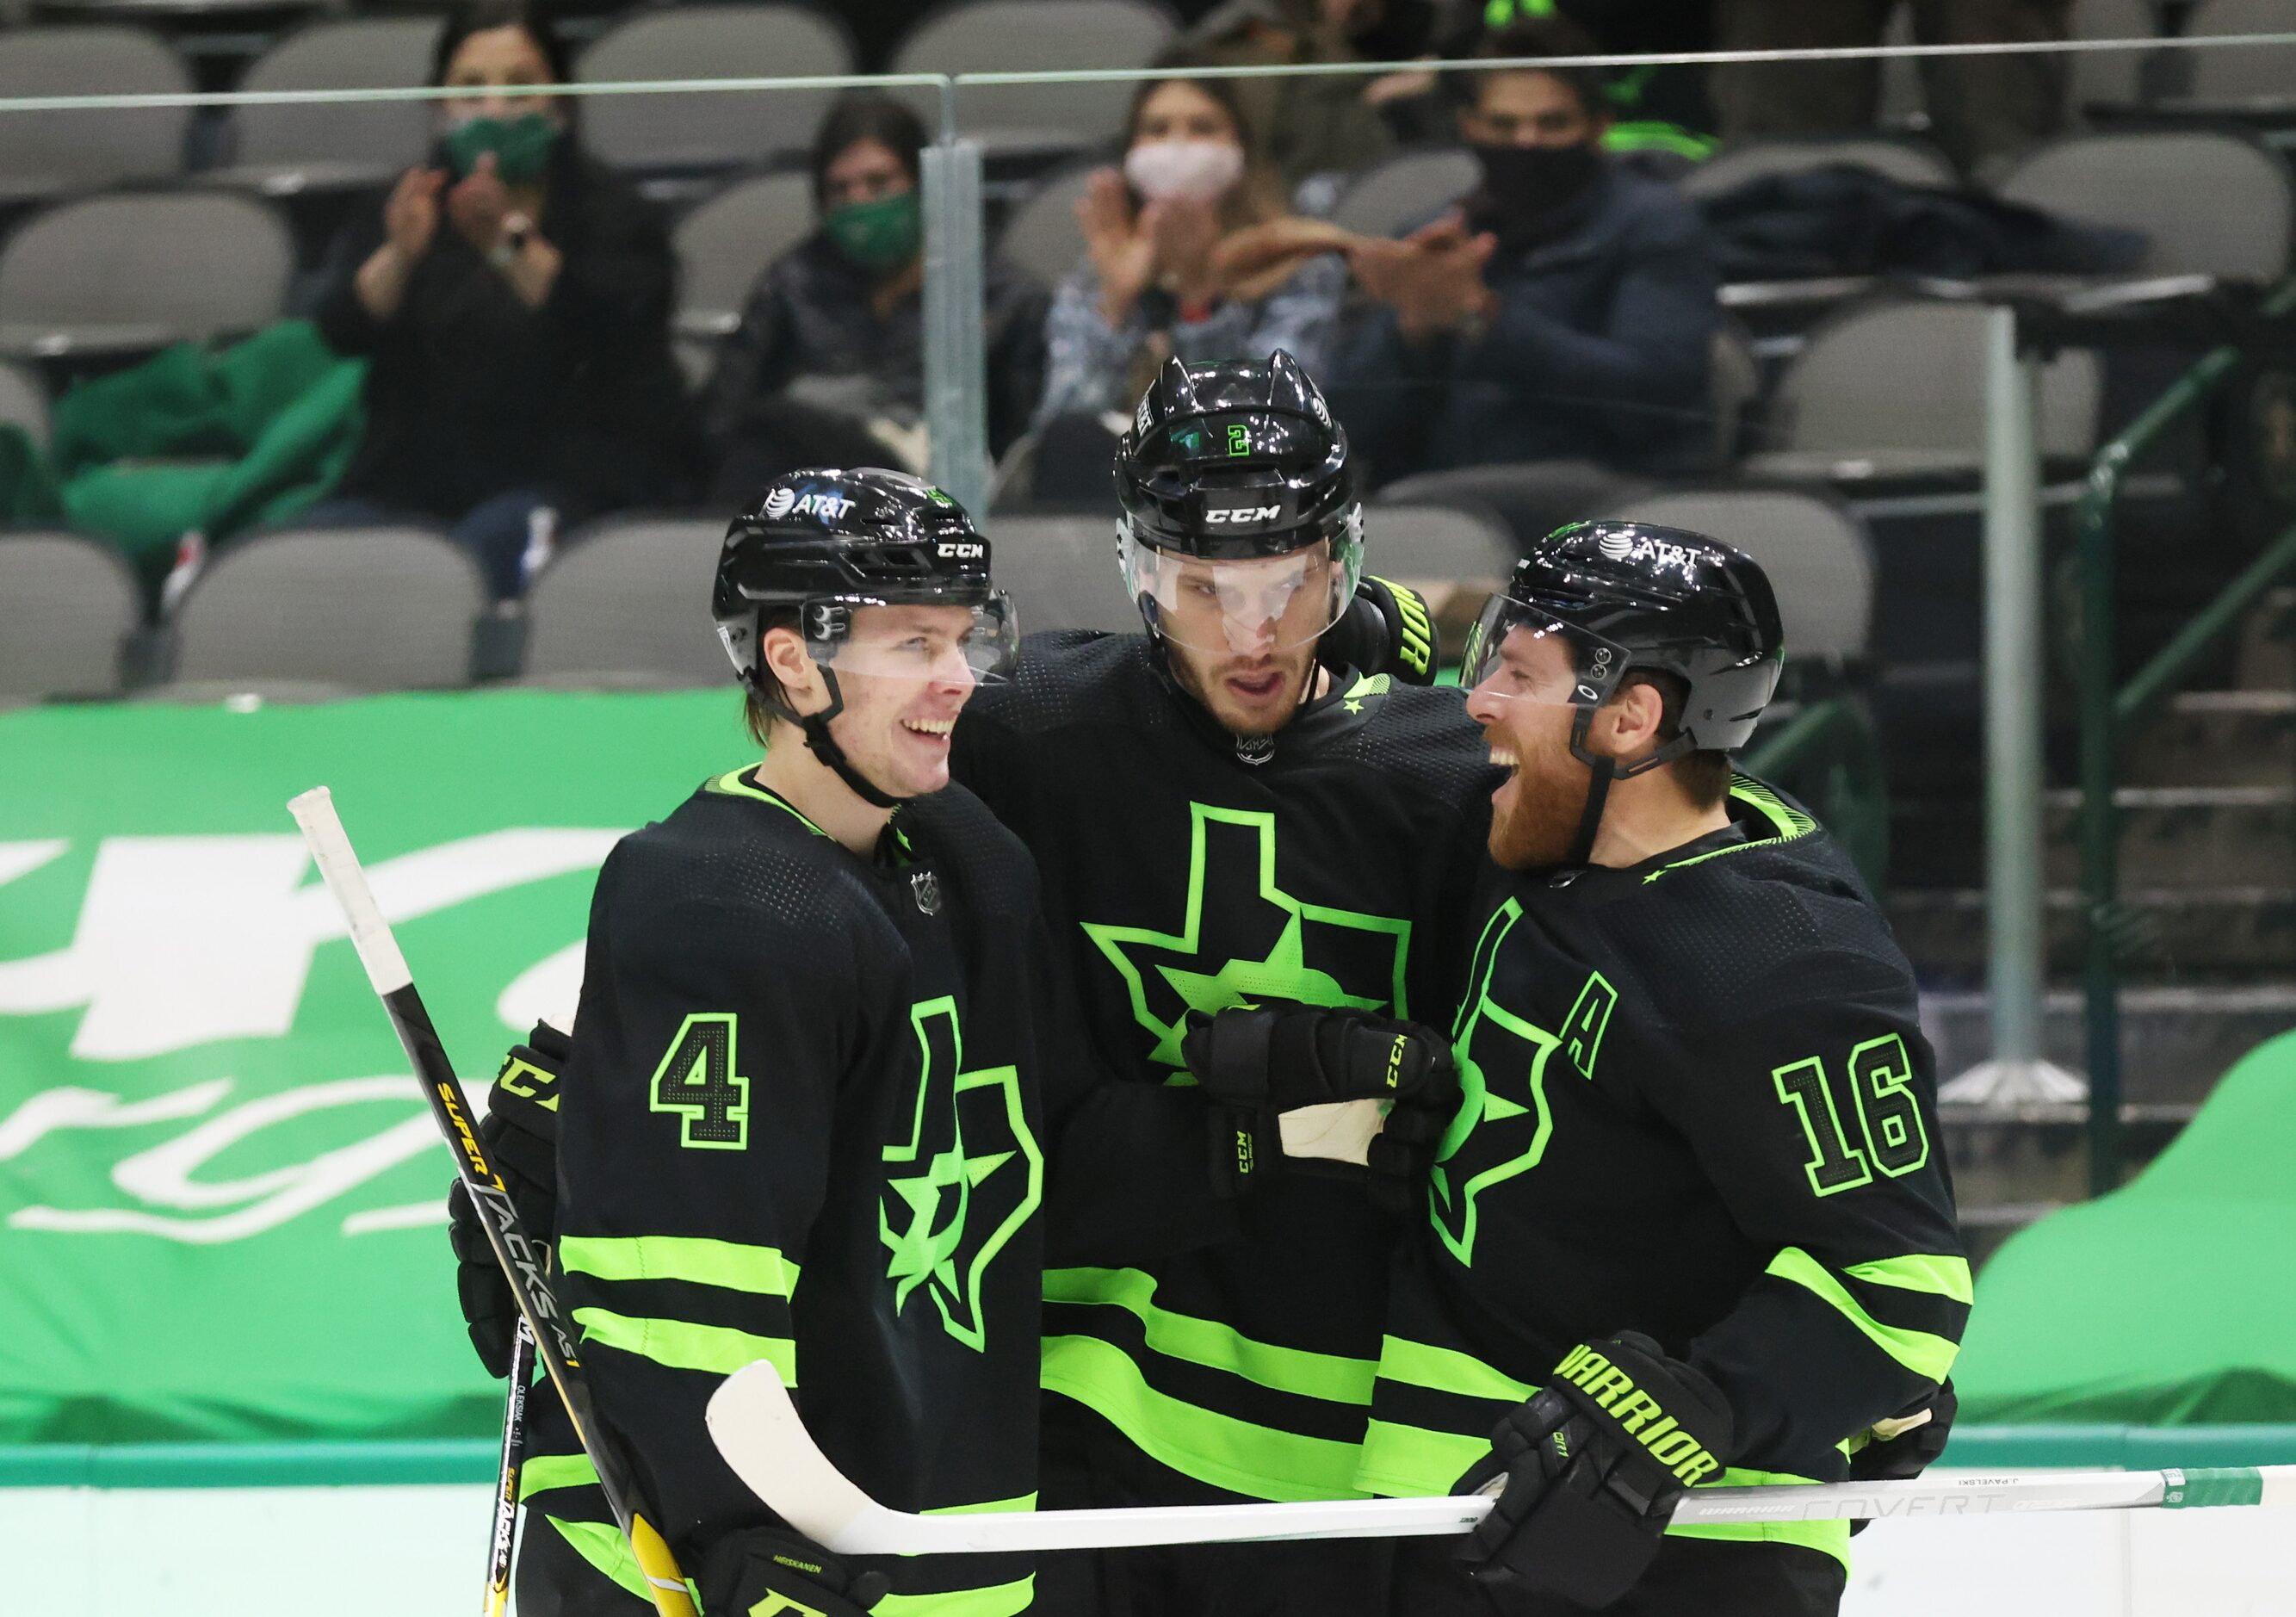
(1307, 1086)
(766, 1570)
(520, 1136)
(1901, 1447)
(1386, 629)
(1593, 1466)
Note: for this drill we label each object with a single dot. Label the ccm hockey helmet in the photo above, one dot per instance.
(818, 546)
(1237, 463)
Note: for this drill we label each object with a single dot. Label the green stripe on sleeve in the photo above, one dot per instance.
(1027, 1501)
(1237, 1455)
(716, 1349)
(761, 1270)
(1927, 1356)
(998, 1600)
(1418, 1364)
(602, 1546)
(544, 1472)
(1934, 1272)
(1405, 1462)
(1331, 1376)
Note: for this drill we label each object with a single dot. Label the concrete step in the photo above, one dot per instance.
(2217, 738)
(2166, 932)
(2171, 835)
(2176, 1041)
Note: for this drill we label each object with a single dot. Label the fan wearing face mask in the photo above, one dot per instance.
(1564, 310)
(512, 297)
(1154, 284)
(827, 366)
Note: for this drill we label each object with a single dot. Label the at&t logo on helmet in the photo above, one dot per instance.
(778, 504)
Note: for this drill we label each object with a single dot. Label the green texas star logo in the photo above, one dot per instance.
(974, 1177)
(1261, 942)
(1501, 1127)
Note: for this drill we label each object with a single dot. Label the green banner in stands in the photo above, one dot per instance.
(221, 1191)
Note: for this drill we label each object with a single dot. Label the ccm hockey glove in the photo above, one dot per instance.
(766, 1570)
(519, 1136)
(1593, 1466)
(1338, 1092)
(1386, 629)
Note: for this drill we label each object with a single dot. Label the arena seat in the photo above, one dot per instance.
(626, 603)
(709, 129)
(726, 243)
(1405, 190)
(284, 148)
(2207, 202)
(1061, 573)
(1907, 162)
(114, 273)
(2257, 73)
(1031, 36)
(66, 604)
(1042, 238)
(46, 154)
(369, 609)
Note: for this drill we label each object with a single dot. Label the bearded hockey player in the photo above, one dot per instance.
(1692, 1223)
(1228, 813)
(806, 1053)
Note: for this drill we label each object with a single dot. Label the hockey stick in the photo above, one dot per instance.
(757, 1431)
(513, 1463)
(450, 1108)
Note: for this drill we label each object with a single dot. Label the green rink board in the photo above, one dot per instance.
(220, 1184)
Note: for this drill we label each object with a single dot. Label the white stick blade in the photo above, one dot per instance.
(331, 851)
(754, 1422)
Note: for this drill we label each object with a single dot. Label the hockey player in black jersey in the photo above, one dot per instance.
(1692, 1222)
(1230, 811)
(805, 1110)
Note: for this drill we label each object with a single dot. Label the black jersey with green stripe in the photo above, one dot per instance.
(802, 1121)
(1697, 1103)
(1183, 871)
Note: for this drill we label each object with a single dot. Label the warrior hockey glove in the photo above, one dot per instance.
(1304, 1085)
(1592, 1467)
(519, 1136)
(1386, 629)
(1901, 1447)
(765, 1570)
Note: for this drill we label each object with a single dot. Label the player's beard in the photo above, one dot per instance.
(1538, 821)
(1199, 675)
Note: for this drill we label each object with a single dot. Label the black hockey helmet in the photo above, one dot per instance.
(1235, 462)
(1635, 596)
(818, 546)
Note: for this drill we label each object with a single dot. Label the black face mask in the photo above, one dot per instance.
(1522, 183)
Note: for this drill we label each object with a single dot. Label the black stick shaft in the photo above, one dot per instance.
(513, 1465)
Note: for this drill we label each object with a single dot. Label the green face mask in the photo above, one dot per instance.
(879, 234)
(522, 145)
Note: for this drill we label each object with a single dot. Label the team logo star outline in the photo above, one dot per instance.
(1483, 1115)
(926, 1250)
(1282, 975)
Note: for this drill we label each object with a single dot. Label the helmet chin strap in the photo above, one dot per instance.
(815, 729)
(1601, 771)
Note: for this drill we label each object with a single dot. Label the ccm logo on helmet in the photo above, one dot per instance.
(1243, 514)
(961, 553)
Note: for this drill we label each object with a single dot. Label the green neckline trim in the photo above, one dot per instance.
(1789, 824)
(731, 785)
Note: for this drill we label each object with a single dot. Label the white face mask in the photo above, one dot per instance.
(1200, 170)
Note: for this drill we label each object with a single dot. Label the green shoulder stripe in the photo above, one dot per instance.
(761, 1270)
(1946, 1275)
(684, 1346)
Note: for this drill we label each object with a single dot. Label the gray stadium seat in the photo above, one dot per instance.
(727, 243)
(370, 608)
(2114, 78)
(1905, 163)
(1435, 543)
(24, 401)
(47, 153)
(713, 128)
(1404, 192)
(1061, 571)
(1898, 389)
(1530, 497)
(66, 603)
(1813, 549)
(2261, 73)
(627, 603)
(288, 148)
(1032, 36)
(113, 273)
(2208, 203)
(1042, 239)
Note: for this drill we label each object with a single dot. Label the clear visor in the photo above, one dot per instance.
(956, 643)
(1266, 603)
(1521, 652)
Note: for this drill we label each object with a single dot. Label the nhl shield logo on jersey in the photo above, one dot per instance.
(925, 886)
(964, 1181)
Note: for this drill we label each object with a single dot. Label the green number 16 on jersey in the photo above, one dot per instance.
(1888, 1119)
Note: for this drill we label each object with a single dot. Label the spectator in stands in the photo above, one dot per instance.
(1152, 284)
(827, 366)
(1314, 125)
(1564, 311)
(512, 298)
